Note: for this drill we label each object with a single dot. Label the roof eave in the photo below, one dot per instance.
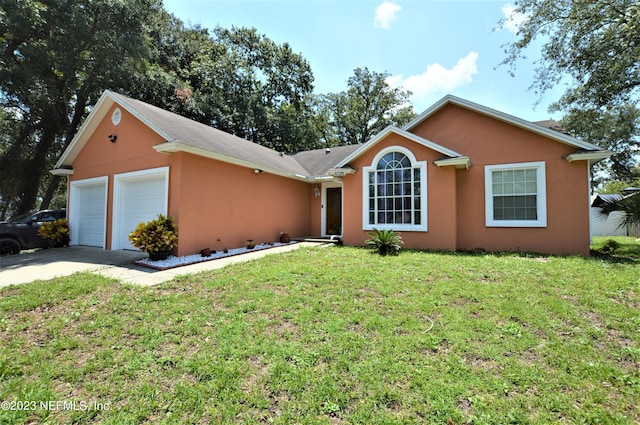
(87, 128)
(62, 171)
(170, 147)
(393, 129)
(341, 171)
(591, 156)
(461, 162)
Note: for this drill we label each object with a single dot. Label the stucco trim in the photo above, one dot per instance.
(403, 133)
(341, 171)
(509, 119)
(461, 162)
(177, 146)
(592, 157)
(62, 171)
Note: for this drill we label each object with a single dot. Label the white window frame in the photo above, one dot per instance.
(541, 196)
(422, 165)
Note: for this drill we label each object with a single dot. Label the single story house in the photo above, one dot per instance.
(460, 176)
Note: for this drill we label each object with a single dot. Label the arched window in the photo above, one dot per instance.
(395, 191)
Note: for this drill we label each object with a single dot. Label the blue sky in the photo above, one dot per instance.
(430, 47)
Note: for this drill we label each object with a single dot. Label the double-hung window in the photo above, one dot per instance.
(395, 192)
(515, 195)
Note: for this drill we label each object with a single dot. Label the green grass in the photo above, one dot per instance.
(625, 247)
(335, 335)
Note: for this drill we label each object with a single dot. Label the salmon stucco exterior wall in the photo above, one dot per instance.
(224, 205)
(489, 142)
(441, 199)
(132, 151)
(456, 197)
(215, 204)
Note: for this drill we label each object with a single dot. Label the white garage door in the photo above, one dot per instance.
(139, 197)
(88, 212)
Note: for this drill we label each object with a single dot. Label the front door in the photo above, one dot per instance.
(333, 211)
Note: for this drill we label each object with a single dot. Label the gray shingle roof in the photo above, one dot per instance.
(552, 125)
(318, 161)
(602, 199)
(192, 133)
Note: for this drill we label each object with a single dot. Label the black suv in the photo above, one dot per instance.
(21, 232)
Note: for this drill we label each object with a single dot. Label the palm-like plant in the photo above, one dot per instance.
(629, 205)
(385, 242)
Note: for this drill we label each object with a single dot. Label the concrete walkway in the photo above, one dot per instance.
(51, 263)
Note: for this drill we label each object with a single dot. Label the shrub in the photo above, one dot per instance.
(156, 237)
(385, 242)
(56, 231)
(610, 246)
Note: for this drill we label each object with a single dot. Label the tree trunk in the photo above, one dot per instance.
(79, 109)
(37, 167)
(51, 190)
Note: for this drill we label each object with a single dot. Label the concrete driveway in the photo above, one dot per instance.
(47, 264)
(50, 263)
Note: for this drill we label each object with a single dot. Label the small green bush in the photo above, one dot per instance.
(56, 231)
(385, 242)
(156, 237)
(610, 246)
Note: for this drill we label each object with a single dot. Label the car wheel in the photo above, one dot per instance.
(9, 246)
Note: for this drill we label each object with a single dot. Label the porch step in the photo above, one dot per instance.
(320, 239)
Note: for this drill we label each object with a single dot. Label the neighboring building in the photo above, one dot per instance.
(606, 225)
(609, 225)
(459, 177)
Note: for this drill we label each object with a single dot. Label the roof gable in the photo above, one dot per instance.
(183, 134)
(538, 128)
(448, 153)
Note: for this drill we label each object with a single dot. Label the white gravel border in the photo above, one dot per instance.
(173, 261)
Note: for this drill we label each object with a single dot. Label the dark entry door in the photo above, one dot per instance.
(334, 211)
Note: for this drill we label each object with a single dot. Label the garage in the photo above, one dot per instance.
(138, 197)
(88, 212)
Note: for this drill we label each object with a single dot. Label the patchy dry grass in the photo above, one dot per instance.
(332, 336)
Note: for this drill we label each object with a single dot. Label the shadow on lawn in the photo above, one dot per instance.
(625, 254)
(616, 258)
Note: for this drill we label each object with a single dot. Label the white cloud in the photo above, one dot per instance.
(438, 79)
(512, 19)
(386, 14)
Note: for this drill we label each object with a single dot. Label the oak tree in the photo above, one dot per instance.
(56, 57)
(367, 106)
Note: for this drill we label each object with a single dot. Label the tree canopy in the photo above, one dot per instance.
(617, 129)
(57, 57)
(591, 45)
(367, 106)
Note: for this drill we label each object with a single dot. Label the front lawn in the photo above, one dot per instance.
(331, 336)
(620, 247)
